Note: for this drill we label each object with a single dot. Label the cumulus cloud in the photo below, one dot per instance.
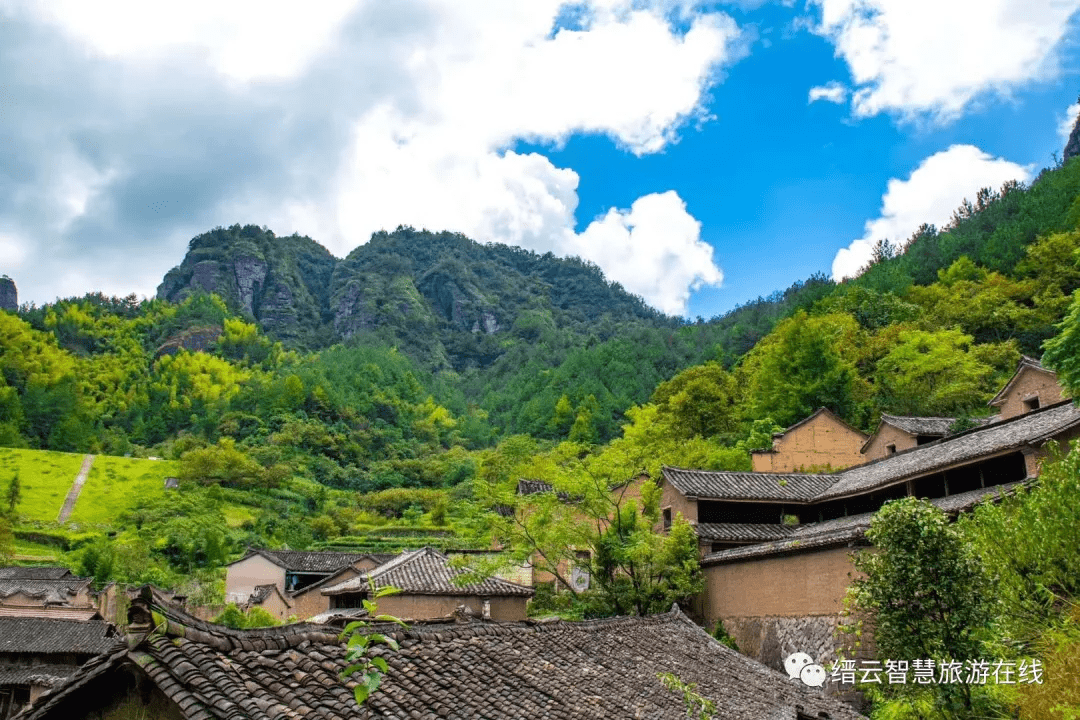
(654, 249)
(1067, 123)
(832, 92)
(932, 58)
(930, 195)
(145, 125)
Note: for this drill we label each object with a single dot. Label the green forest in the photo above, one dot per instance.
(395, 397)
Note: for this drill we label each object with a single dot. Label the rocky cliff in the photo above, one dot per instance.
(9, 294)
(282, 282)
(1072, 147)
(439, 296)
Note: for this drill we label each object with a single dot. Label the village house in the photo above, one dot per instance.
(192, 670)
(428, 590)
(41, 649)
(895, 433)
(309, 601)
(819, 442)
(29, 590)
(777, 546)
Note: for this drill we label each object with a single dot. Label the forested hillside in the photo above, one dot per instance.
(399, 392)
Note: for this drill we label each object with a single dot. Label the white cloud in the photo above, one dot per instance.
(654, 250)
(1066, 124)
(366, 115)
(832, 92)
(243, 39)
(931, 194)
(933, 58)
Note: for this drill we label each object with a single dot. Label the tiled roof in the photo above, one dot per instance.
(932, 426)
(338, 615)
(34, 573)
(497, 671)
(1030, 429)
(47, 675)
(54, 612)
(733, 485)
(920, 425)
(531, 487)
(40, 635)
(262, 592)
(426, 572)
(846, 530)
(307, 561)
(749, 532)
(59, 591)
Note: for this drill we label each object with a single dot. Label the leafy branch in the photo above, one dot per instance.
(697, 707)
(360, 646)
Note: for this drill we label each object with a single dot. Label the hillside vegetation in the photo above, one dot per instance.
(393, 398)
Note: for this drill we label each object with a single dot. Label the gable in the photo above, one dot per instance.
(1031, 388)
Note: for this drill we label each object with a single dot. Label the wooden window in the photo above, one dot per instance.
(667, 518)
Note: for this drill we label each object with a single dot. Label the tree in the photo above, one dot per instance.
(804, 364)
(939, 373)
(1063, 351)
(925, 590)
(592, 507)
(700, 401)
(7, 541)
(14, 493)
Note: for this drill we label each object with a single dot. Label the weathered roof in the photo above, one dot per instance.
(734, 485)
(53, 612)
(41, 635)
(335, 615)
(924, 426)
(747, 532)
(37, 572)
(262, 593)
(426, 572)
(481, 669)
(811, 416)
(847, 530)
(306, 561)
(43, 674)
(1033, 428)
(531, 487)
(1026, 363)
(45, 590)
(1030, 429)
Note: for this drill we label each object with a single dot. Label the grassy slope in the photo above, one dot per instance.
(115, 484)
(45, 476)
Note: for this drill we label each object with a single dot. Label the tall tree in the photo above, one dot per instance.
(926, 591)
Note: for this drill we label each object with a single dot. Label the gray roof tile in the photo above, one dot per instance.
(746, 532)
(425, 572)
(48, 590)
(308, 561)
(41, 635)
(733, 485)
(38, 572)
(499, 671)
(1031, 429)
(846, 530)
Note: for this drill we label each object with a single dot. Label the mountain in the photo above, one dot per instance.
(283, 282)
(441, 297)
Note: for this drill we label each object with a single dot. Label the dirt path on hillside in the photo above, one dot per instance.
(76, 488)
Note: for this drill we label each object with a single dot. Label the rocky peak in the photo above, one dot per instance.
(1072, 147)
(9, 294)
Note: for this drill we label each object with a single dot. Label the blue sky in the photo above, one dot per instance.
(674, 143)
